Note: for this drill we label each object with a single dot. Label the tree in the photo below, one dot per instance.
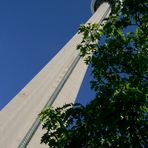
(117, 116)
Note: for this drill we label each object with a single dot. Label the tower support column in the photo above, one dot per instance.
(56, 84)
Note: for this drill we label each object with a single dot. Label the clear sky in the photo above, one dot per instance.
(31, 33)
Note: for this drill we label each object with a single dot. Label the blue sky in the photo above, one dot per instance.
(31, 33)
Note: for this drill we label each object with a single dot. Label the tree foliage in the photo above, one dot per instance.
(118, 115)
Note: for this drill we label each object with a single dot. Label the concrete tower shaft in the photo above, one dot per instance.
(56, 84)
(95, 4)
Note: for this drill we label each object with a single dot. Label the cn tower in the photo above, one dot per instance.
(56, 84)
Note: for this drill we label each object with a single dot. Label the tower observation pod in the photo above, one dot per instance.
(56, 84)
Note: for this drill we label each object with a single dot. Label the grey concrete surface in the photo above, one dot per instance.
(19, 115)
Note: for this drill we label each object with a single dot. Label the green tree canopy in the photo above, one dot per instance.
(117, 117)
